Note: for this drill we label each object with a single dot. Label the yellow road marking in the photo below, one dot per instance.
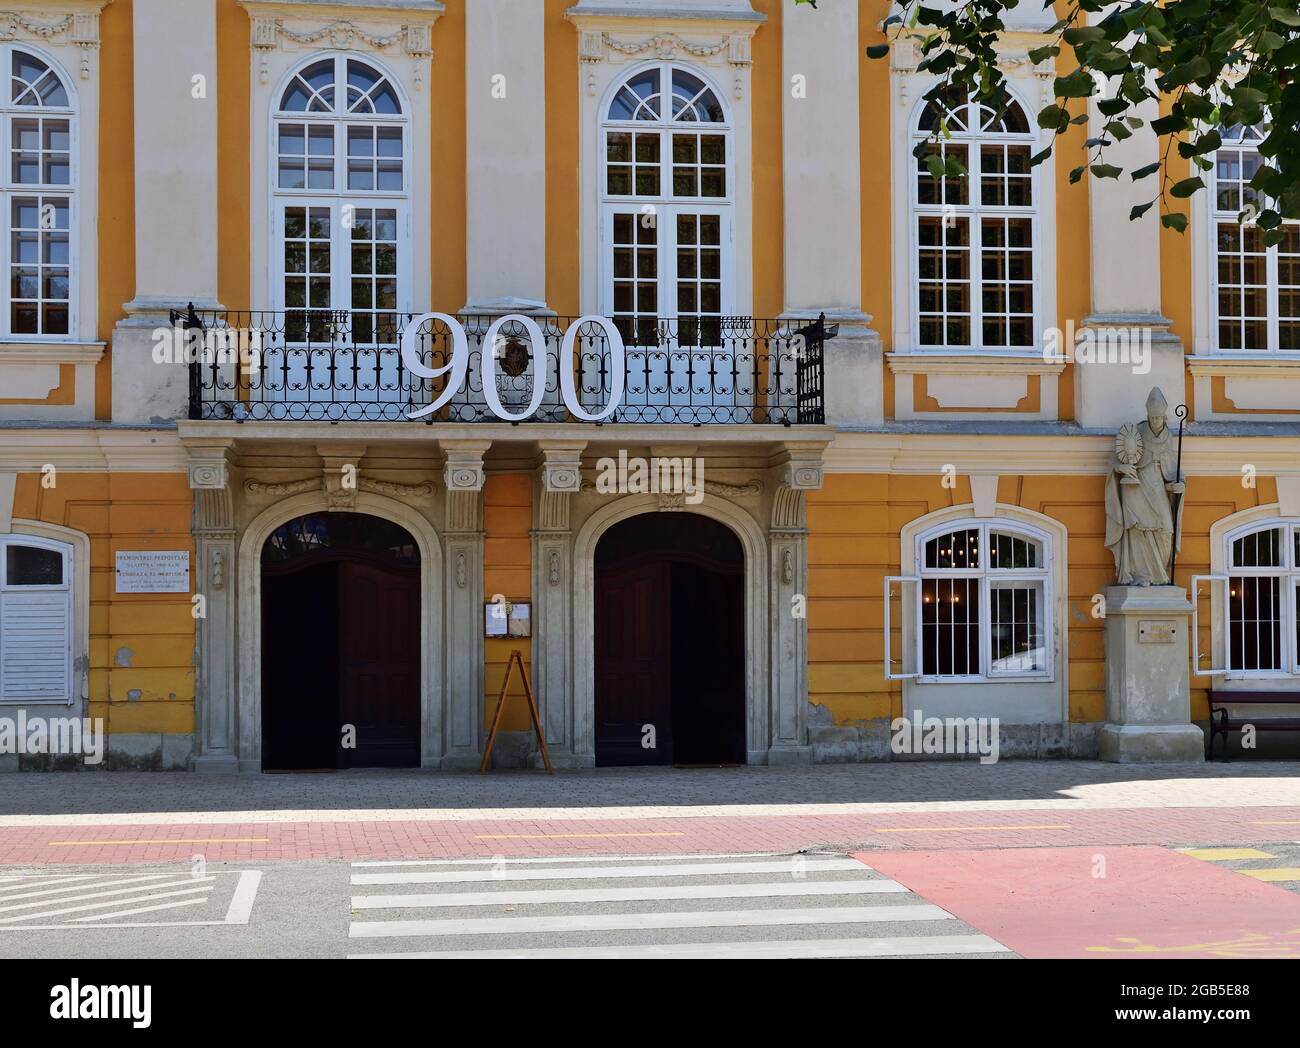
(566, 836)
(170, 840)
(1212, 854)
(964, 829)
(1276, 873)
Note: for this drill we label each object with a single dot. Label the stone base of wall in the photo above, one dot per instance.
(870, 741)
(143, 752)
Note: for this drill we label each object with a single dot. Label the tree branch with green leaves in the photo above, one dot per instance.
(1207, 66)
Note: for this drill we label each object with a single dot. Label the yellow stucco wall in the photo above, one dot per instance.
(141, 645)
(854, 525)
(507, 570)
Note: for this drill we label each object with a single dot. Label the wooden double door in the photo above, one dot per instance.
(669, 643)
(341, 654)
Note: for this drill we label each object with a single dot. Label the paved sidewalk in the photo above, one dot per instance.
(105, 798)
(94, 818)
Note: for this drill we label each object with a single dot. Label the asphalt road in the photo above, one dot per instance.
(815, 905)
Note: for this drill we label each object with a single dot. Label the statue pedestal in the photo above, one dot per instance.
(1148, 704)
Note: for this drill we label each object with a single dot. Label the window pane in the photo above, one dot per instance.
(1016, 643)
(1013, 551)
(960, 550)
(33, 566)
(1255, 623)
(1259, 549)
(950, 627)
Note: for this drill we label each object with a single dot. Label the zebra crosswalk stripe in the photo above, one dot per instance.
(702, 869)
(783, 906)
(903, 946)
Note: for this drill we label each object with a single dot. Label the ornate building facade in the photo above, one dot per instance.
(239, 518)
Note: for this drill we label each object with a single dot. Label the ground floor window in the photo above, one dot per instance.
(1263, 610)
(983, 602)
(35, 620)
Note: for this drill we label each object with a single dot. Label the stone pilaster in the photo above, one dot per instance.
(798, 471)
(1125, 279)
(463, 538)
(215, 546)
(823, 203)
(505, 93)
(175, 130)
(558, 479)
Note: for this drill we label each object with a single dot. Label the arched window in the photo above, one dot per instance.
(1257, 288)
(975, 236)
(38, 186)
(667, 196)
(341, 176)
(985, 601)
(1263, 619)
(36, 623)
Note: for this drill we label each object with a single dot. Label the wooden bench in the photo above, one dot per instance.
(1223, 723)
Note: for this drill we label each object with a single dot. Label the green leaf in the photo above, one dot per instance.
(1194, 69)
(1083, 35)
(1077, 85)
(1186, 187)
(877, 51)
(1174, 220)
(1076, 174)
(1105, 171)
(935, 163)
(1281, 14)
(1038, 158)
(1042, 54)
(1053, 116)
(1146, 172)
(1140, 210)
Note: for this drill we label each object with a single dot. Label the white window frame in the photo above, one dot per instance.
(1031, 87)
(340, 196)
(67, 587)
(988, 577)
(666, 205)
(1289, 596)
(73, 191)
(1206, 253)
(974, 211)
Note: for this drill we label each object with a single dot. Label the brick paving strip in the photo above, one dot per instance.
(93, 842)
(125, 817)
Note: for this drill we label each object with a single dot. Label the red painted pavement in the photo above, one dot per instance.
(1047, 902)
(424, 839)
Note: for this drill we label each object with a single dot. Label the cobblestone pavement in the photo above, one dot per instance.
(105, 798)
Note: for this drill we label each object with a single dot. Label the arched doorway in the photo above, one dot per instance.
(340, 644)
(669, 642)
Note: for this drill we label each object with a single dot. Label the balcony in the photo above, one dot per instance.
(348, 366)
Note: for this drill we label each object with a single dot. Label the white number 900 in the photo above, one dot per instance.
(457, 369)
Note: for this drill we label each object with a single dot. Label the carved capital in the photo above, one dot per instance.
(214, 512)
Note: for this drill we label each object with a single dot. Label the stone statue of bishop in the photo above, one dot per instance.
(1140, 527)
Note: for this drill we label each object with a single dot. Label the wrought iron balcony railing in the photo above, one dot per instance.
(345, 366)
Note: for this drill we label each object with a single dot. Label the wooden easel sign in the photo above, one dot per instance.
(516, 659)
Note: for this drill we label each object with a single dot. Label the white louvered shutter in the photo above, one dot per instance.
(35, 646)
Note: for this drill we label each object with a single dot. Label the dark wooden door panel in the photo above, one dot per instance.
(632, 657)
(379, 664)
